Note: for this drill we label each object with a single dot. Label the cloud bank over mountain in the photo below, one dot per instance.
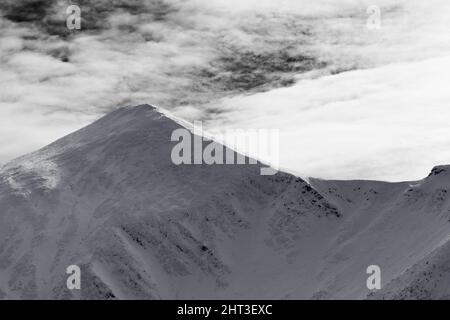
(220, 60)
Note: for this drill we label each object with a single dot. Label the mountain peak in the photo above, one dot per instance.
(438, 170)
(133, 111)
(109, 199)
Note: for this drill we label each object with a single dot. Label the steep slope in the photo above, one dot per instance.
(429, 278)
(109, 199)
(392, 225)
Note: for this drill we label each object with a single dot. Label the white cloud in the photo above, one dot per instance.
(388, 123)
(50, 86)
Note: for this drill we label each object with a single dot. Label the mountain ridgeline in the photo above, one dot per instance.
(108, 199)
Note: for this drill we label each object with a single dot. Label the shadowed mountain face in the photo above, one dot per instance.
(109, 199)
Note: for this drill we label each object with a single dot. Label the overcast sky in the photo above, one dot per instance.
(350, 102)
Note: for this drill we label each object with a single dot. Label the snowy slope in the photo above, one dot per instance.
(427, 279)
(109, 199)
(392, 225)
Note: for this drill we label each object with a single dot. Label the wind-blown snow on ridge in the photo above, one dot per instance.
(109, 199)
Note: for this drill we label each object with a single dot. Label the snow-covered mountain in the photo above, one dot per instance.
(109, 199)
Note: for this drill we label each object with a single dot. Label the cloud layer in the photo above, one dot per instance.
(295, 65)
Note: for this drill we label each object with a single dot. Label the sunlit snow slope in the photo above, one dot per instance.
(109, 199)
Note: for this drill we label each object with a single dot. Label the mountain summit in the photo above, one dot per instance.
(108, 199)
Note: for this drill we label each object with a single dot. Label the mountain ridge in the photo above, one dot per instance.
(109, 199)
